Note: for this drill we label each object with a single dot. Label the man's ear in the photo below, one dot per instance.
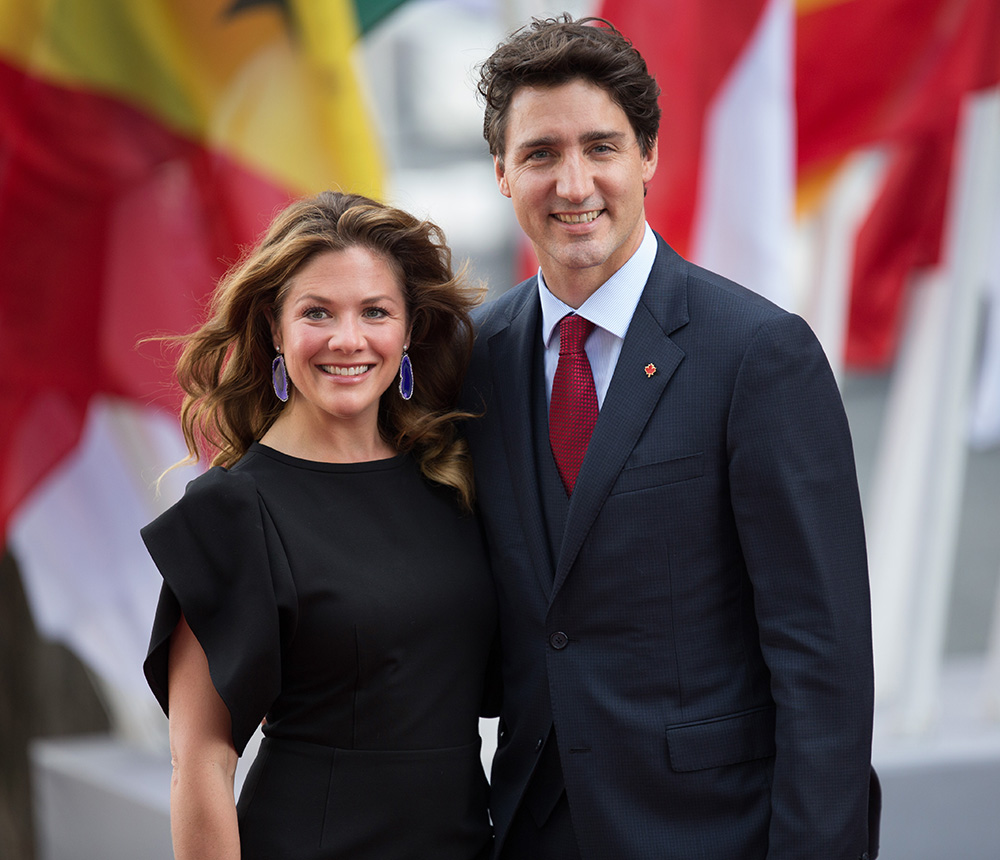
(501, 175)
(649, 161)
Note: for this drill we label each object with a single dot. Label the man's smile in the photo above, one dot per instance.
(577, 217)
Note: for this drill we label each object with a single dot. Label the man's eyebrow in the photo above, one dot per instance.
(537, 142)
(587, 137)
(597, 134)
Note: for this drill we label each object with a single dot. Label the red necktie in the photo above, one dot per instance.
(573, 408)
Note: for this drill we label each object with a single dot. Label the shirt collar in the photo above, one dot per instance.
(613, 303)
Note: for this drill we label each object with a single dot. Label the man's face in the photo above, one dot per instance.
(575, 174)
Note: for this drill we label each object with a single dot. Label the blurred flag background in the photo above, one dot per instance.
(142, 145)
(841, 157)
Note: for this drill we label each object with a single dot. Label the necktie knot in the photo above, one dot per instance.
(573, 333)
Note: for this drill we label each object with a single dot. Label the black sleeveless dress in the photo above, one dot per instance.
(351, 605)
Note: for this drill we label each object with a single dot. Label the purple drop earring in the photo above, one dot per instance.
(405, 376)
(279, 377)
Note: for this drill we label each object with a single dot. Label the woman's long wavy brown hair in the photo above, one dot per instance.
(224, 367)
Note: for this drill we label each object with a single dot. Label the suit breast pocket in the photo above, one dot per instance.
(645, 475)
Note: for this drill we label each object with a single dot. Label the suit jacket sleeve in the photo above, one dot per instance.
(798, 514)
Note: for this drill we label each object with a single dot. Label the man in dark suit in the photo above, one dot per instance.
(667, 484)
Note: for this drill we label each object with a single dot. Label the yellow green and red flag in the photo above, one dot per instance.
(142, 144)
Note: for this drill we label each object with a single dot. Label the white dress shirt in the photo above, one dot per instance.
(610, 309)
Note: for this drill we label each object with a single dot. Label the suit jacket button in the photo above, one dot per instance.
(538, 746)
(559, 640)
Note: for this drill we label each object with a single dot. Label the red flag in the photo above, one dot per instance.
(890, 73)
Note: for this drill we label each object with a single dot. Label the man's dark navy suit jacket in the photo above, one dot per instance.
(696, 622)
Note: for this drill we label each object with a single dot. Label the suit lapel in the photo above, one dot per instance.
(512, 352)
(631, 398)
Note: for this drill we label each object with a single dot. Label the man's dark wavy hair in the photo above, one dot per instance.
(553, 51)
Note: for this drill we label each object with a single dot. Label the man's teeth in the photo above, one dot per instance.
(579, 217)
(346, 371)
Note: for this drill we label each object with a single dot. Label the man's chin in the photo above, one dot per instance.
(581, 255)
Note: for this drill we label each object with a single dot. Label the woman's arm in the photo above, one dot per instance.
(202, 807)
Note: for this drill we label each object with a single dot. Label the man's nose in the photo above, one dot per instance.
(575, 181)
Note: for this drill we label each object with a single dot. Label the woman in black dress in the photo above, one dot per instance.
(326, 575)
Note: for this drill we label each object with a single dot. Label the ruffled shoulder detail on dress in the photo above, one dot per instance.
(223, 567)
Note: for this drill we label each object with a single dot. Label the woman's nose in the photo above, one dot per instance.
(347, 336)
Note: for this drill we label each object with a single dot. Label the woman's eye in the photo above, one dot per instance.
(375, 313)
(314, 313)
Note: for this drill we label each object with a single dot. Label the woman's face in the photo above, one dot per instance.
(342, 329)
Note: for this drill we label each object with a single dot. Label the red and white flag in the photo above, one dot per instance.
(723, 194)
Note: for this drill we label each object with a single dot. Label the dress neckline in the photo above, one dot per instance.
(393, 462)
